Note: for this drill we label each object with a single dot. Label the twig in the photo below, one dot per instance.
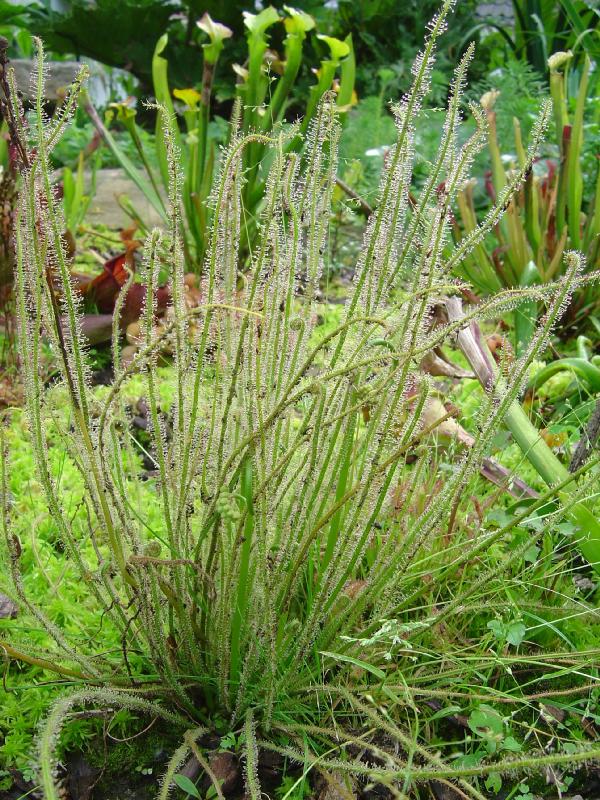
(20, 153)
(364, 206)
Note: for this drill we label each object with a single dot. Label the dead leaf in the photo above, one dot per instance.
(8, 608)
(226, 769)
(552, 713)
(553, 440)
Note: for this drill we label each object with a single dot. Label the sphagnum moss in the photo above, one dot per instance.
(274, 547)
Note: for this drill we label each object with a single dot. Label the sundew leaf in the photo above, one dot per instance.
(258, 414)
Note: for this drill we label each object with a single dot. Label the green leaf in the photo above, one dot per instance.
(573, 165)
(498, 628)
(68, 193)
(531, 554)
(186, 785)
(515, 633)
(485, 720)
(569, 747)
(574, 15)
(228, 741)
(357, 663)
(160, 83)
(470, 759)
(566, 528)
(445, 712)
(346, 95)
(8, 10)
(499, 517)
(579, 366)
(119, 33)
(211, 792)
(510, 743)
(493, 782)
(526, 313)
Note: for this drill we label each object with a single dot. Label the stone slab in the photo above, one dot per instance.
(104, 207)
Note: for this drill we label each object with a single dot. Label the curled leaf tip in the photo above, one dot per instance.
(257, 24)
(216, 31)
(297, 21)
(240, 71)
(558, 60)
(161, 44)
(190, 97)
(488, 100)
(337, 47)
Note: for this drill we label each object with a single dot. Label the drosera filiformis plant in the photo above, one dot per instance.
(273, 560)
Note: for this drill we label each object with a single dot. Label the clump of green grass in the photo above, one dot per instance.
(288, 567)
